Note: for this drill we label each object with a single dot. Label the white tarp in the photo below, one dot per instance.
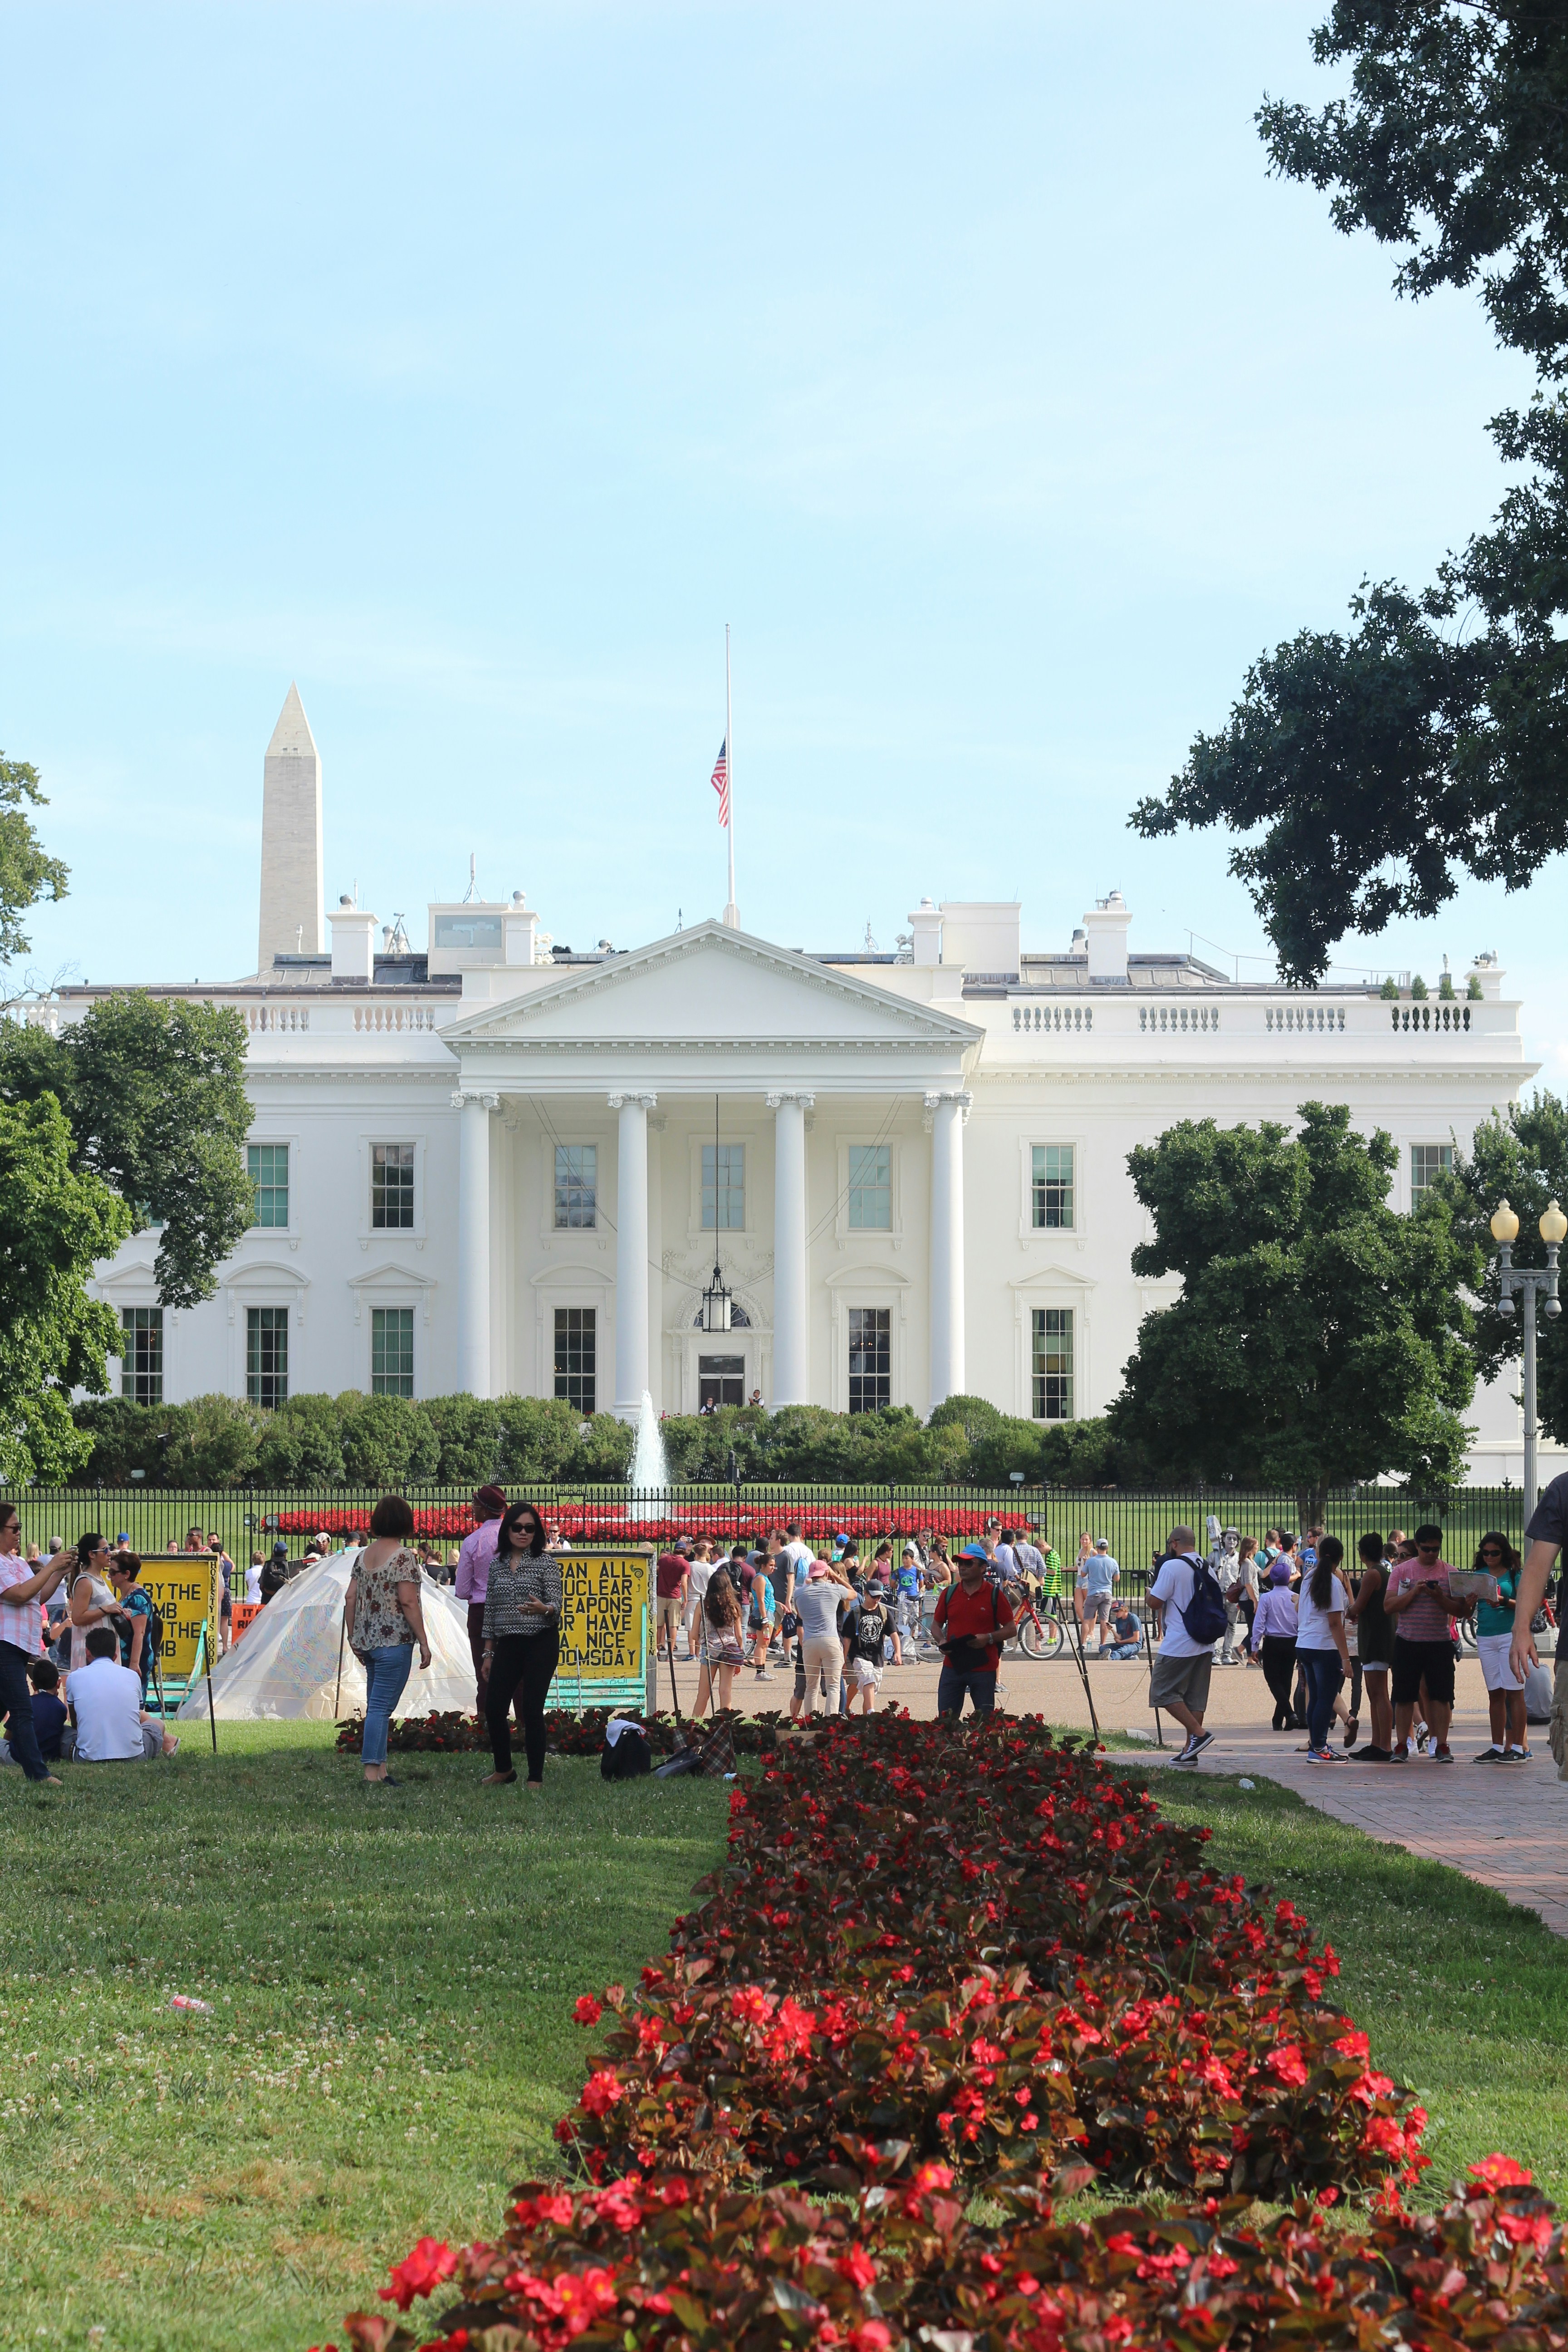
(285, 1664)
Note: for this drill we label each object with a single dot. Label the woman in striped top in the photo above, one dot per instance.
(522, 1641)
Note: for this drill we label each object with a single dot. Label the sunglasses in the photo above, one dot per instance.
(1492, 1551)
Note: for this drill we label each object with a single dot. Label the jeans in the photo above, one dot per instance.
(16, 1701)
(525, 1664)
(954, 1681)
(385, 1673)
(1324, 1675)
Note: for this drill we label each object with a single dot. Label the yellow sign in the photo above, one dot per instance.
(183, 1588)
(604, 1615)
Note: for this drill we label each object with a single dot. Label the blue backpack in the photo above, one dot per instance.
(1204, 1615)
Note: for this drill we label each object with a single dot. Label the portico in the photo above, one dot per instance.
(837, 1159)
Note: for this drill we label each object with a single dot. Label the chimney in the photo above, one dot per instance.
(1107, 923)
(519, 926)
(291, 919)
(353, 941)
(925, 925)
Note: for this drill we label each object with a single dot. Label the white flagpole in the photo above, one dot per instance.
(732, 912)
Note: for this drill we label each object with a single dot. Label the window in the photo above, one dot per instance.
(720, 1380)
(267, 1167)
(267, 1346)
(1427, 1161)
(870, 1187)
(1052, 1364)
(392, 1192)
(391, 1351)
(142, 1359)
(723, 1188)
(870, 1359)
(1053, 1188)
(576, 1185)
(576, 1354)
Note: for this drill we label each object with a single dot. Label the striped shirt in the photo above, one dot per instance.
(514, 1578)
(21, 1621)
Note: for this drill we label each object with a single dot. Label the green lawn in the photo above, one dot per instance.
(1461, 1994)
(391, 1973)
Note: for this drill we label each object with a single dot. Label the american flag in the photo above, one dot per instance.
(721, 780)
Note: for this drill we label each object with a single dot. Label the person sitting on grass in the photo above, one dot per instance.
(112, 1727)
(51, 1724)
(866, 1631)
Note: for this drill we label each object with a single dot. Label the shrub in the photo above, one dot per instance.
(212, 1443)
(469, 1431)
(537, 1439)
(1419, 991)
(387, 1441)
(301, 1445)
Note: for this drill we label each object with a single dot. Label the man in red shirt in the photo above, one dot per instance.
(1421, 1605)
(670, 1585)
(972, 1621)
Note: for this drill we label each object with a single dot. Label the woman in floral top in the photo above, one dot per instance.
(523, 1640)
(384, 1617)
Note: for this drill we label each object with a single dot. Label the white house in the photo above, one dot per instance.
(497, 1163)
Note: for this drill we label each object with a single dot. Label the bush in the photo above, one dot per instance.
(537, 1439)
(301, 1443)
(387, 1441)
(213, 1442)
(468, 1430)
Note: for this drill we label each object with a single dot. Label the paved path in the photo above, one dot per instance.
(1506, 1825)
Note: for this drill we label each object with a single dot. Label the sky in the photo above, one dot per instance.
(473, 365)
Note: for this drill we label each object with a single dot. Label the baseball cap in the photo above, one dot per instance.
(123, 1536)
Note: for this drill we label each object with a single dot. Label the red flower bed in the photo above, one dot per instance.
(588, 1523)
(567, 1734)
(935, 1960)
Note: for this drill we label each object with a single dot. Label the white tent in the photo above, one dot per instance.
(285, 1664)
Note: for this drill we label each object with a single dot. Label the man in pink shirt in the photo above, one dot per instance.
(1422, 1606)
(473, 1581)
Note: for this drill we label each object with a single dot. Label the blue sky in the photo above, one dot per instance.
(473, 365)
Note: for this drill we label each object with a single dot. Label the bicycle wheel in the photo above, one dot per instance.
(1040, 1638)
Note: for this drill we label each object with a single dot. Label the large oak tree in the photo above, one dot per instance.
(1320, 1339)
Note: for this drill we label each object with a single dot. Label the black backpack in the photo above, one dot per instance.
(628, 1756)
(1204, 1615)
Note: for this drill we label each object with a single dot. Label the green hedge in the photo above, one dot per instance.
(377, 1441)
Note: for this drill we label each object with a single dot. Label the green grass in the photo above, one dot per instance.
(1462, 1995)
(391, 1973)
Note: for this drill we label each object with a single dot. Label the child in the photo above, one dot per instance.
(50, 1724)
(866, 1631)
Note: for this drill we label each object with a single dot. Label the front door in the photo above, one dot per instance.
(720, 1380)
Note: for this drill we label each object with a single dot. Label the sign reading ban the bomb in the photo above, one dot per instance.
(604, 1611)
(184, 1589)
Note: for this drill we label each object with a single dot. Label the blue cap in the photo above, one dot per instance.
(973, 1551)
(123, 1536)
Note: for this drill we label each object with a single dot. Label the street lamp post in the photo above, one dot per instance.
(1528, 1282)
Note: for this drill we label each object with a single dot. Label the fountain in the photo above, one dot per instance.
(649, 1473)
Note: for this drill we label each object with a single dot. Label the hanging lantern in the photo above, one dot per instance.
(716, 1304)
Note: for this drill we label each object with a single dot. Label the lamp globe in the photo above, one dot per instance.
(1553, 1224)
(1505, 1224)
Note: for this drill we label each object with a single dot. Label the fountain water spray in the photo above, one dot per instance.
(649, 1473)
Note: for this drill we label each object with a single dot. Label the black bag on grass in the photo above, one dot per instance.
(625, 1754)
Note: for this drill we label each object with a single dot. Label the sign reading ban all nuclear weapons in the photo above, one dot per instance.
(184, 1589)
(603, 1613)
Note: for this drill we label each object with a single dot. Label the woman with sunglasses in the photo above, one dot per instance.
(92, 1601)
(1494, 1637)
(523, 1640)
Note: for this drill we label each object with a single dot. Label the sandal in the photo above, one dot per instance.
(498, 1780)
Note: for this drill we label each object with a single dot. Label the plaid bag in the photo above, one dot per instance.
(716, 1756)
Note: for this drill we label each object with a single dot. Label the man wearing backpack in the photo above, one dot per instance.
(1192, 1615)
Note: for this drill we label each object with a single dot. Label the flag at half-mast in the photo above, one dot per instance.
(721, 780)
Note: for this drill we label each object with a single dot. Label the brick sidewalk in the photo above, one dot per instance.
(1506, 1825)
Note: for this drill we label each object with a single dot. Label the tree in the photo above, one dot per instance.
(27, 873)
(56, 1221)
(1521, 1158)
(1319, 1339)
(1429, 739)
(155, 1096)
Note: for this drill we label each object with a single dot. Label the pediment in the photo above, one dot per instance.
(710, 986)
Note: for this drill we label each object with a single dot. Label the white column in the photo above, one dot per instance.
(945, 1115)
(791, 1348)
(474, 1240)
(631, 1254)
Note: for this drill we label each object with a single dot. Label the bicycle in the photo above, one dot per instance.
(1034, 1636)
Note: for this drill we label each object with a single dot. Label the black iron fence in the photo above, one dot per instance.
(248, 1520)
